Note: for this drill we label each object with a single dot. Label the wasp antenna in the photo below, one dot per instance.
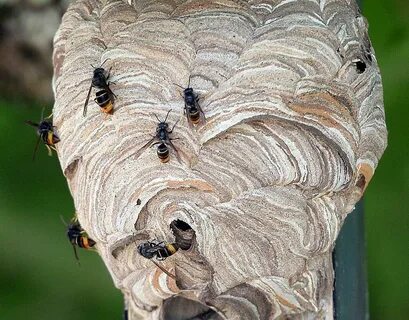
(178, 85)
(104, 61)
(175, 125)
(51, 114)
(63, 220)
(157, 118)
(167, 115)
(188, 85)
(42, 114)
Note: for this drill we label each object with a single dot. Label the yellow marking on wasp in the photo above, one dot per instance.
(171, 248)
(85, 242)
(108, 108)
(164, 160)
(50, 140)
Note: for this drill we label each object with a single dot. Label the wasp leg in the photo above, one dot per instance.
(164, 270)
(178, 86)
(155, 143)
(160, 257)
(203, 120)
(109, 72)
(173, 126)
(50, 153)
(113, 82)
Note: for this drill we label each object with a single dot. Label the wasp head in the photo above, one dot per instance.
(99, 71)
(146, 250)
(44, 127)
(188, 91)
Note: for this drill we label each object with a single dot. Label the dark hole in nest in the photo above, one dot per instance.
(183, 232)
(180, 224)
(360, 66)
(71, 169)
(361, 182)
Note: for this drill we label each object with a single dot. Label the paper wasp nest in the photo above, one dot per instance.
(294, 130)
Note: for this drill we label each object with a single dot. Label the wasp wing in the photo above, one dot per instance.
(31, 123)
(174, 149)
(203, 118)
(36, 147)
(186, 113)
(84, 113)
(144, 147)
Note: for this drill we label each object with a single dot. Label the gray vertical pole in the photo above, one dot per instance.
(350, 294)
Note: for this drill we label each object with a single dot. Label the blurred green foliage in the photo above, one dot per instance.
(39, 276)
(386, 205)
(40, 279)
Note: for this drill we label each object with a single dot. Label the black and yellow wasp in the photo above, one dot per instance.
(159, 250)
(77, 236)
(104, 97)
(46, 133)
(193, 111)
(163, 140)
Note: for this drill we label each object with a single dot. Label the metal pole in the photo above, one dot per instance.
(351, 294)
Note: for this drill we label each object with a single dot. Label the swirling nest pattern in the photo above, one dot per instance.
(293, 134)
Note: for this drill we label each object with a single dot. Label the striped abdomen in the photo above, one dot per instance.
(166, 251)
(105, 100)
(193, 114)
(85, 242)
(49, 138)
(163, 152)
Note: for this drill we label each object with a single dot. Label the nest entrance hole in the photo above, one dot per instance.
(184, 234)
